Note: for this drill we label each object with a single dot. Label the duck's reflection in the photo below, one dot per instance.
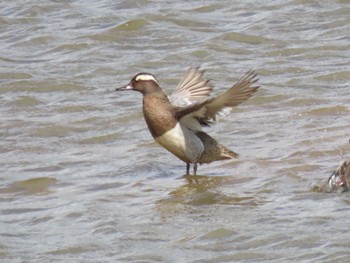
(205, 190)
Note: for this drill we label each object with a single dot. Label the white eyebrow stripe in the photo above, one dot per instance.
(146, 77)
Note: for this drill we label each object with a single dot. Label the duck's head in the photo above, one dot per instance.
(142, 82)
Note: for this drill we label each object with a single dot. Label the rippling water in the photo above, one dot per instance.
(82, 179)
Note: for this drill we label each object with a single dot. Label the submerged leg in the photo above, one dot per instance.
(188, 168)
(195, 169)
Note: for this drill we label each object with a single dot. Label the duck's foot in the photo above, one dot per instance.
(195, 169)
(188, 166)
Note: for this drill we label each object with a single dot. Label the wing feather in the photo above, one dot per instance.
(204, 112)
(242, 90)
(192, 88)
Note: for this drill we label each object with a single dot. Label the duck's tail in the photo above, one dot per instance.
(227, 153)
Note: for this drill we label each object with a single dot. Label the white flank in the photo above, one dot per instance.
(182, 142)
(146, 77)
(191, 123)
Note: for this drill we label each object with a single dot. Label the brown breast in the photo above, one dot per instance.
(159, 113)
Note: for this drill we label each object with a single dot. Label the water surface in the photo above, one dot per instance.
(82, 179)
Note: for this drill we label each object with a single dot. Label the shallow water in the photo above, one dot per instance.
(82, 179)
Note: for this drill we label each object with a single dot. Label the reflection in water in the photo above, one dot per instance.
(204, 190)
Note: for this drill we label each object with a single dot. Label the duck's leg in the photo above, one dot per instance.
(188, 166)
(195, 169)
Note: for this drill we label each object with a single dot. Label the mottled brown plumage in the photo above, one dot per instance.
(214, 151)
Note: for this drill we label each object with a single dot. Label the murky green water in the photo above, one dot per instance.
(83, 181)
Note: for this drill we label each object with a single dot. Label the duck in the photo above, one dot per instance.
(176, 121)
(340, 179)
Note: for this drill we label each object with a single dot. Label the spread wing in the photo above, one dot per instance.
(192, 88)
(242, 90)
(205, 112)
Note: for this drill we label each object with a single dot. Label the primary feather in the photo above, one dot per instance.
(204, 113)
